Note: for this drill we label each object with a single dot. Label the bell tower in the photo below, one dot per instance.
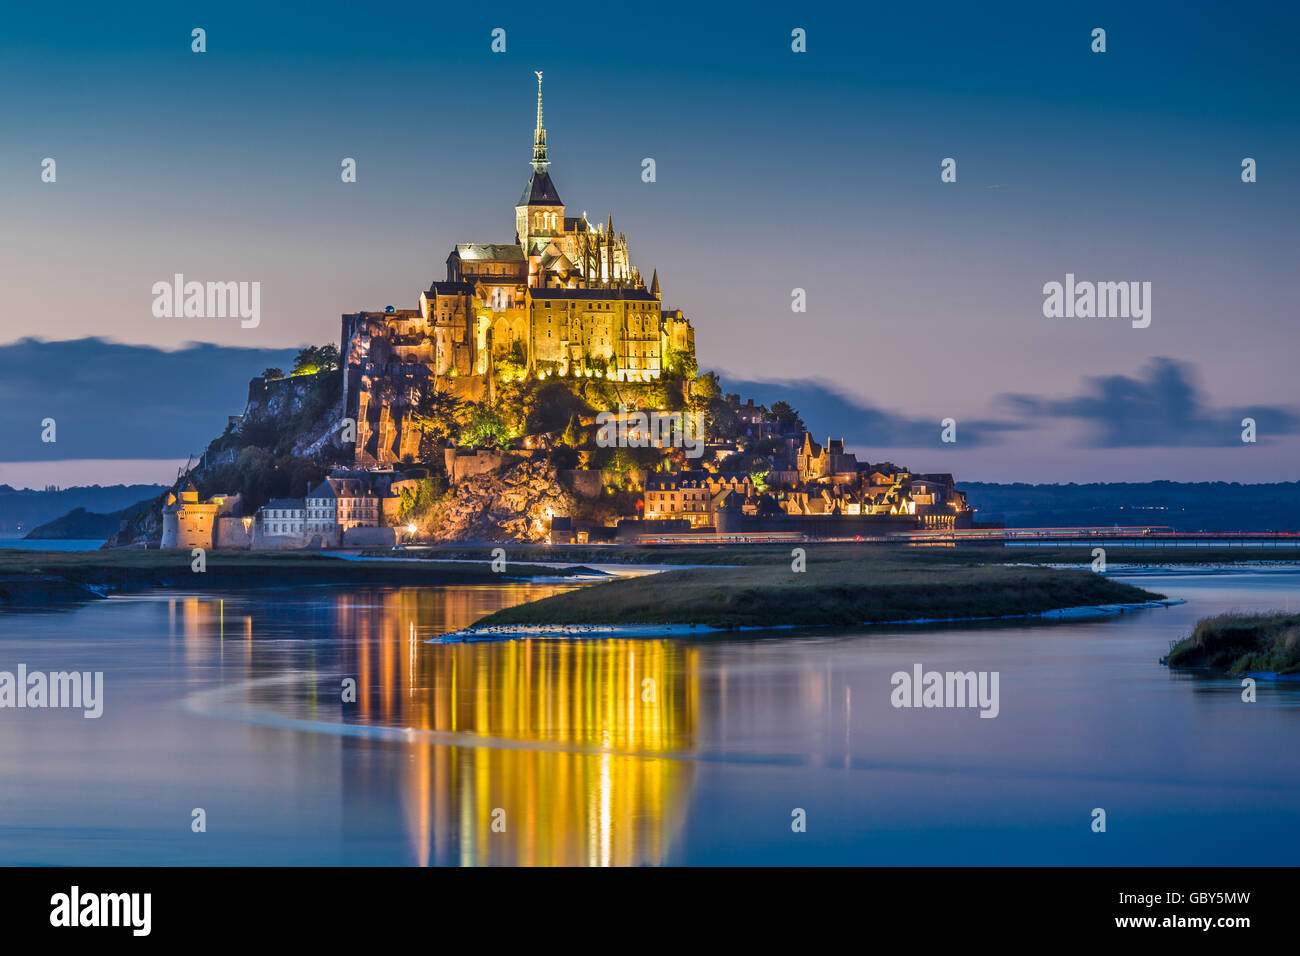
(539, 214)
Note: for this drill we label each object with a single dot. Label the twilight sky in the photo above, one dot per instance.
(775, 170)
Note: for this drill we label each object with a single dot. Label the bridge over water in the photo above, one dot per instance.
(1146, 536)
(1153, 536)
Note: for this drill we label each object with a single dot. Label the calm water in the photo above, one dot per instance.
(51, 544)
(231, 702)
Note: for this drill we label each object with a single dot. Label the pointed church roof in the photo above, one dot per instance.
(555, 259)
(654, 283)
(540, 191)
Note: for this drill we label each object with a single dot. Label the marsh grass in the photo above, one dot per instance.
(1241, 643)
(862, 587)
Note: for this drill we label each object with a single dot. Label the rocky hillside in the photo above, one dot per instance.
(515, 504)
(138, 527)
(281, 445)
(299, 415)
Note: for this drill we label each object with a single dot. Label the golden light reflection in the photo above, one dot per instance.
(574, 766)
(619, 704)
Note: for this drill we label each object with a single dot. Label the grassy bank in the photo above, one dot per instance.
(866, 586)
(1241, 643)
(46, 578)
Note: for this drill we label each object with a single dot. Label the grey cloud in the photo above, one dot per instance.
(1162, 406)
(111, 400)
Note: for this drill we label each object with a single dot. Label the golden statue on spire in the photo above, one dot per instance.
(539, 134)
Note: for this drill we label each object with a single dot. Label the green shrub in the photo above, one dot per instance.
(1238, 643)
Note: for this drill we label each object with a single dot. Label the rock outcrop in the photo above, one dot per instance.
(307, 409)
(299, 416)
(141, 528)
(515, 504)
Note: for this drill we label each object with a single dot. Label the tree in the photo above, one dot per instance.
(706, 388)
(272, 373)
(437, 413)
(486, 427)
(416, 503)
(550, 407)
(615, 472)
(680, 364)
(721, 422)
(513, 365)
(785, 415)
(314, 359)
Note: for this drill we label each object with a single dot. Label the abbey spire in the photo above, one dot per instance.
(539, 214)
(540, 162)
(540, 191)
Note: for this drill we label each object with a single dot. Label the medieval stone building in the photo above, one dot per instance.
(190, 523)
(562, 299)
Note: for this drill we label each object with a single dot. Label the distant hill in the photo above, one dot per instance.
(1183, 506)
(79, 524)
(23, 509)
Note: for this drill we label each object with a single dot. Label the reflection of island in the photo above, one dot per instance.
(574, 731)
(573, 734)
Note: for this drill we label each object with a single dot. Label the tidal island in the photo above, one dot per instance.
(832, 586)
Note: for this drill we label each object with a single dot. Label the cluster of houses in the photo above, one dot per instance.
(800, 479)
(816, 479)
(349, 508)
(798, 485)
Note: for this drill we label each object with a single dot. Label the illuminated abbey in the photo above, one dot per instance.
(562, 299)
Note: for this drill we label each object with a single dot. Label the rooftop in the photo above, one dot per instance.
(489, 251)
(540, 191)
(285, 504)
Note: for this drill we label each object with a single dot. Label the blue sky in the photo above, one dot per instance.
(775, 170)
